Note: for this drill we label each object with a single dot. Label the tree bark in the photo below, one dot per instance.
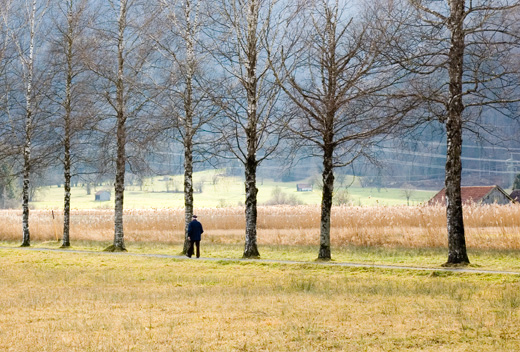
(25, 196)
(67, 177)
(251, 164)
(326, 204)
(66, 141)
(188, 191)
(251, 249)
(456, 241)
(188, 124)
(119, 244)
(28, 132)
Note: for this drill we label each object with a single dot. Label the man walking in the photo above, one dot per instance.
(194, 235)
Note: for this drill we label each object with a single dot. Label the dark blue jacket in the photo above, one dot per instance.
(195, 230)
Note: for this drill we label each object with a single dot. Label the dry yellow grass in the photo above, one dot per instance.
(82, 302)
(487, 226)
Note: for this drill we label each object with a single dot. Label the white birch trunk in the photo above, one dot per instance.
(251, 248)
(251, 164)
(188, 179)
(28, 130)
(119, 244)
(188, 122)
(188, 193)
(67, 122)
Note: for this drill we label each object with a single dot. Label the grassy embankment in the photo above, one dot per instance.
(105, 302)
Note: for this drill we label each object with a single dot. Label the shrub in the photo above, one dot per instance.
(278, 197)
(341, 197)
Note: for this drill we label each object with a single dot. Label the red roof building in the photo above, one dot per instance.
(476, 195)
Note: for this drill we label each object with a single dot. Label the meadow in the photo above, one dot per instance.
(115, 302)
(96, 301)
(217, 191)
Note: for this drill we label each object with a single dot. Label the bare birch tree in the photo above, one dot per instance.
(124, 67)
(23, 23)
(249, 129)
(185, 100)
(461, 54)
(70, 81)
(332, 66)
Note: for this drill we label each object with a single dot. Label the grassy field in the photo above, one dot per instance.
(99, 302)
(66, 301)
(217, 191)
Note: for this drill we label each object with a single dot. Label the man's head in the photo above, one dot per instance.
(194, 216)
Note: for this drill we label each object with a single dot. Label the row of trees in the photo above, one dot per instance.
(236, 78)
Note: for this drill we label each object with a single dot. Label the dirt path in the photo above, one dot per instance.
(340, 264)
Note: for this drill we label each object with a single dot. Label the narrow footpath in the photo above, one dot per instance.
(240, 260)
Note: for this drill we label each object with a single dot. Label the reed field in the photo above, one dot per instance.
(58, 302)
(487, 226)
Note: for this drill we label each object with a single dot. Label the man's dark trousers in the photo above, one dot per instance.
(190, 249)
